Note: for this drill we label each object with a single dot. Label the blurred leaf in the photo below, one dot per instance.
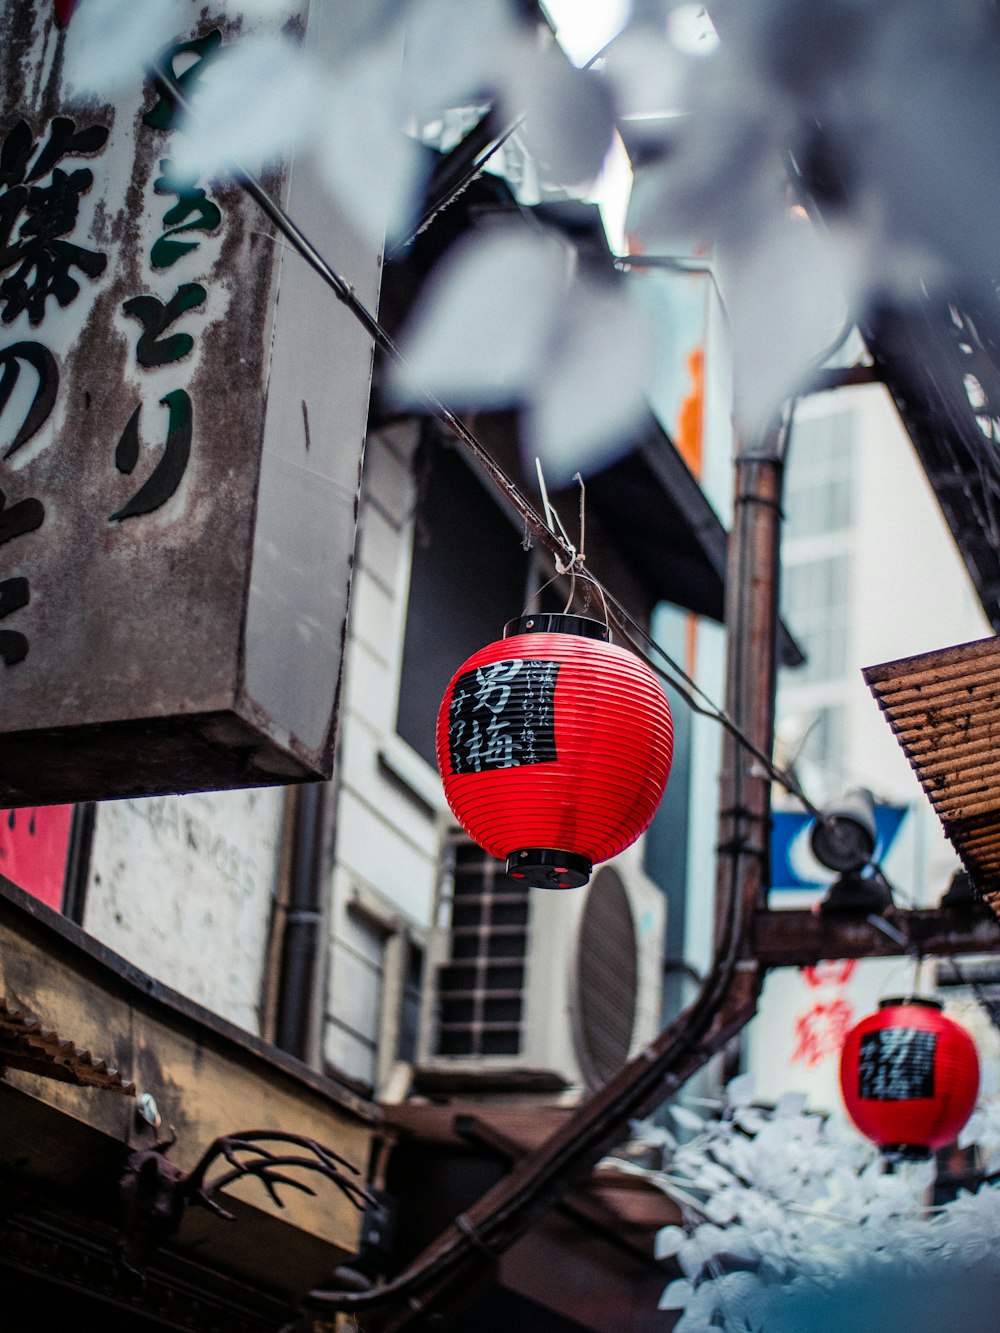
(793, 1104)
(711, 1176)
(649, 1133)
(687, 1119)
(740, 1090)
(262, 9)
(568, 117)
(110, 43)
(250, 107)
(723, 1205)
(480, 334)
(591, 404)
(367, 160)
(676, 1295)
(646, 72)
(690, 30)
(788, 293)
(455, 53)
(668, 1241)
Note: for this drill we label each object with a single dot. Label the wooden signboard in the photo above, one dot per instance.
(182, 412)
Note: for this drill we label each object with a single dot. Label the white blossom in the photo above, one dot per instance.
(794, 1225)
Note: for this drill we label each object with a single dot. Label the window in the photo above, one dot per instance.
(818, 476)
(816, 603)
(409, 1008)
(823, 740)
(377, 973)
(480, 991)
(358, 979)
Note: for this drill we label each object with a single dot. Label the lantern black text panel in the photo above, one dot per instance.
(896, 1064)
(502, 716)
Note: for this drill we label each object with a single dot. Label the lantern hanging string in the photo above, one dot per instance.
(559, 546)
(575, 565)
(553, 521)
(678, 679)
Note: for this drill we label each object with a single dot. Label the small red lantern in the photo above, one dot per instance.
(554, 746)
(910, 1077)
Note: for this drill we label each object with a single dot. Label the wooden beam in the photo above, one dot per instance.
(802, 938)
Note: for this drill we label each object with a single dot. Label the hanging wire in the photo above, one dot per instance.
(690, 691)
(578, 478)
(544, 529)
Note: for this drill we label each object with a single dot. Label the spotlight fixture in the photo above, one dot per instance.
(843, 836)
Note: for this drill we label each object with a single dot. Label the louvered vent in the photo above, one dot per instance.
(606, 979)
(481, 990)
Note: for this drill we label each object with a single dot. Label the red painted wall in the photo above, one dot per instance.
(34, 843)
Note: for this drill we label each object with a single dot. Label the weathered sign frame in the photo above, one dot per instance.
(182, 419)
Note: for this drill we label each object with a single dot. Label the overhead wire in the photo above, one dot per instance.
(688, 688)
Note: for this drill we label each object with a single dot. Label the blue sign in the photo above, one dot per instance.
(793, 865)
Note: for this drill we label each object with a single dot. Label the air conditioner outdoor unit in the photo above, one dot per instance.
(537, 988)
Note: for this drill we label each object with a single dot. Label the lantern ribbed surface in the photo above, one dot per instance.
(554, 741)
(909, 1076)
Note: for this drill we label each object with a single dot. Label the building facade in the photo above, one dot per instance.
(333, 965)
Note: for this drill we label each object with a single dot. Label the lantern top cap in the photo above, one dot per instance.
(558, 623)
(924, 1000)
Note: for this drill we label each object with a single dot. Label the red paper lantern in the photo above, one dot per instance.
(910, 1076)
(554, 746)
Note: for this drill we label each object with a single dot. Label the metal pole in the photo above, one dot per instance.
(752, 585)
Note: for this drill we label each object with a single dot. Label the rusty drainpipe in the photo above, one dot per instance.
(752, 596)
(300, 930)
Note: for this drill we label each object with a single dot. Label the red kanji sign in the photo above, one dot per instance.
(830, 972)
(34, 843)
(820, 1031)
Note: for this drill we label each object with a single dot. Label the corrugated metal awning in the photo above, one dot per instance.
(944, 708)
(26, 1044)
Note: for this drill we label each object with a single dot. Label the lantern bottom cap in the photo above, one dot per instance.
(906, 1152)
(549, 868)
